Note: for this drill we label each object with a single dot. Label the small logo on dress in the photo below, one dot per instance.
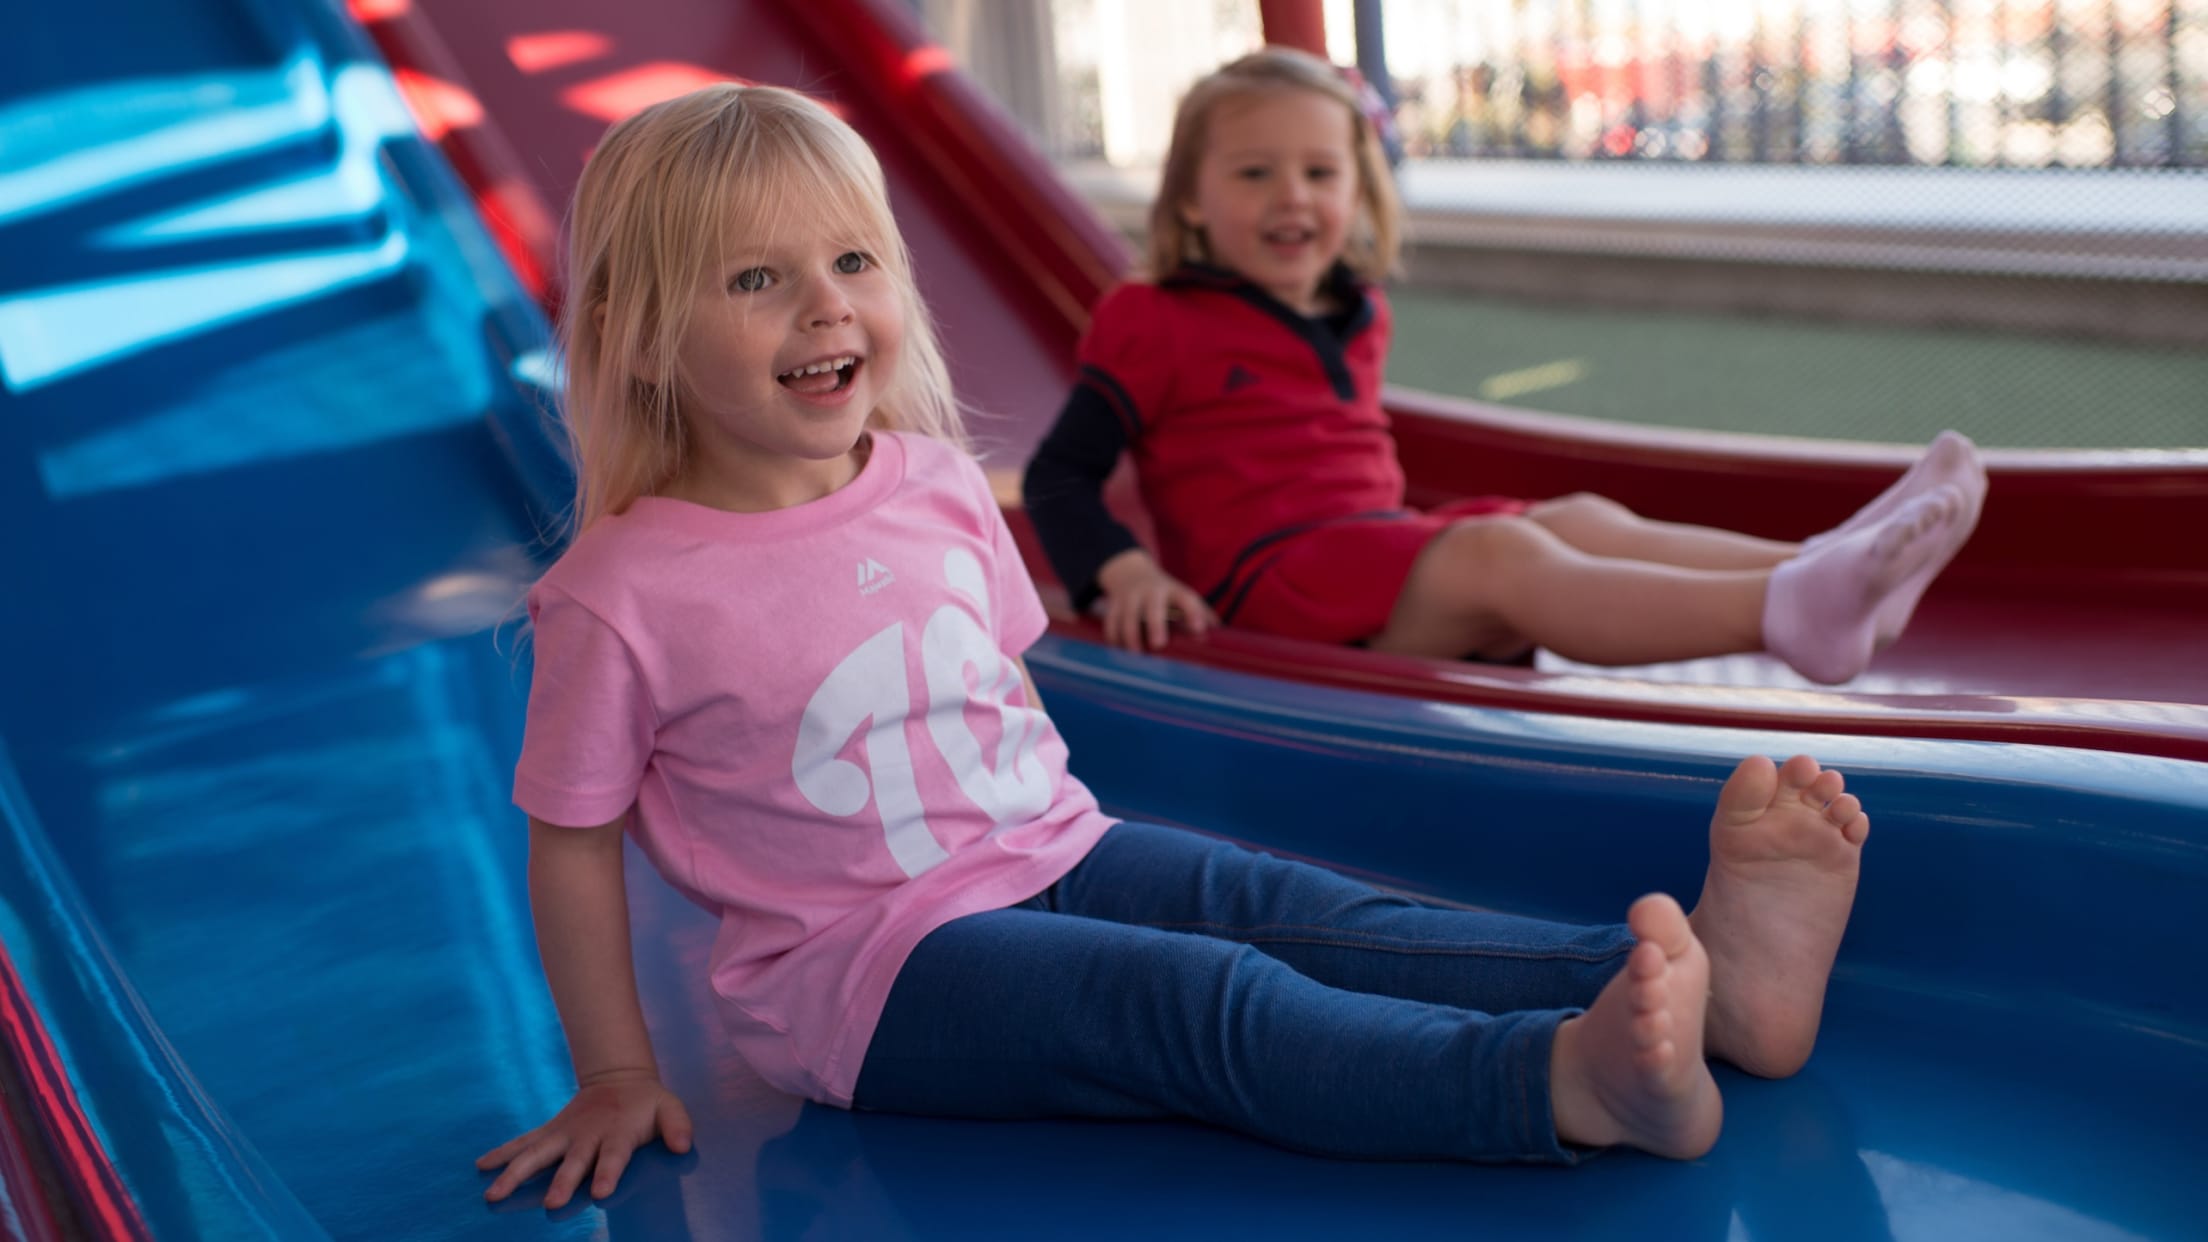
(873, 576)
(1239, 377)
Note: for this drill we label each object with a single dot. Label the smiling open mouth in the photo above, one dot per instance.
(827, 375)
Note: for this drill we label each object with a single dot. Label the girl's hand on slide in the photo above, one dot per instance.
(609, 1118)
(1141, 600)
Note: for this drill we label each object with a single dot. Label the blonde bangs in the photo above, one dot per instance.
(661, 202)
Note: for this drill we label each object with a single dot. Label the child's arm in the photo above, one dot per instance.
(1064, 493)
(582, 914)
(1092, 553)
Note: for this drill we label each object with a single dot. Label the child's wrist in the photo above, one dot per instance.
(1123, 567)
(617, 1074)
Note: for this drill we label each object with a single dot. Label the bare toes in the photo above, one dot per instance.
(1820, 793)
(1750, 790)
(1797, 775)
(1658, 920)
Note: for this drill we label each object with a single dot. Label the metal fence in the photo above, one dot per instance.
(1957, 83)
(1960, 83)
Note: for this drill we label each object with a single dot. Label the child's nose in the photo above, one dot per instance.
(828, 308)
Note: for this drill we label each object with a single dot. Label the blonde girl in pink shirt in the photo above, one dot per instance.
(783, 650)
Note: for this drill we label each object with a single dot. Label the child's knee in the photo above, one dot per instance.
(1495, 540)
(1578, 509)
(1474, 556)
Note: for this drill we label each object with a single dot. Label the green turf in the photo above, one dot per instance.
(1785, 377)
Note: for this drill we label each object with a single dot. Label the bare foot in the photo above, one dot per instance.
(1784, 851)
(1630, 1070)
(1821, 609)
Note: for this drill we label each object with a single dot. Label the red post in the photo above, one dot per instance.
(1298, 24)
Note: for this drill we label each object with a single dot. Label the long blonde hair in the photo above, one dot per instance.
(650, 213)
(1374, 239)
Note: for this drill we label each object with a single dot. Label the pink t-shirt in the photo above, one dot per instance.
(817, 716)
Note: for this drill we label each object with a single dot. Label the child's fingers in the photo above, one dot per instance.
(504, 1151)
(1153, 620)
(1195, 613)
(525, 1165)
(674, 1125)
(1119, 628)
(613, 1158)
(578, 1162)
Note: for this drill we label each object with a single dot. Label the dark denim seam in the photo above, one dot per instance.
(1327, 937)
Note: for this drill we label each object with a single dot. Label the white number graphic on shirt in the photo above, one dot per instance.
(1014, 787)
(870, 685)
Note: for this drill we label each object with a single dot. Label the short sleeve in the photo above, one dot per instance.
(1021, 620)
(590, 723)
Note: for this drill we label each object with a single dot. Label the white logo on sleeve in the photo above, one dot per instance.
(873, 576)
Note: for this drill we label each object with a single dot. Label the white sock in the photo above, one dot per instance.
(1951, 458)
(1821, 609)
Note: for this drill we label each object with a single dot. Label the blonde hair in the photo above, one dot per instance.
(1376, 236)
(650, 215)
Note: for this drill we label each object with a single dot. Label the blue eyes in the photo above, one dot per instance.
(760, 279)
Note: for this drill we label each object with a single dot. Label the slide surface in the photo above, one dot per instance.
(271, 492)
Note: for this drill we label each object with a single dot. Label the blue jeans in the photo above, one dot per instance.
(1172, 975)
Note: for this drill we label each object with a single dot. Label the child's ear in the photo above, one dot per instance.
(638, 365)
(598, 324)
(1190, 216)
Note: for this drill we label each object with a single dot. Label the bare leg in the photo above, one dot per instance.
(1630, 1069)
(1490, 586)
(1600, 526)
(1785, 848)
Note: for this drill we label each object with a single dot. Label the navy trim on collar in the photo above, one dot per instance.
(1345, 287)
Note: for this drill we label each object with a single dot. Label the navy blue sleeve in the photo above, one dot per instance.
(1064, 485)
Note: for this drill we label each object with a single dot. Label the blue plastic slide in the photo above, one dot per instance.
(272, 479)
